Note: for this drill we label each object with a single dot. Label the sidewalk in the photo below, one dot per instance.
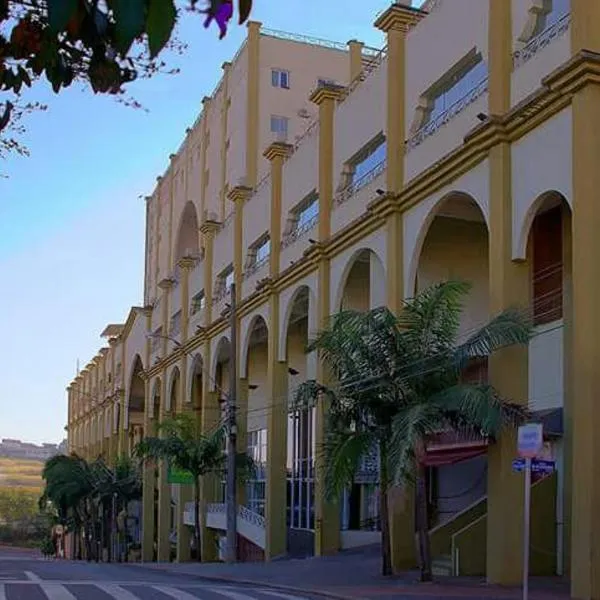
(354, 576)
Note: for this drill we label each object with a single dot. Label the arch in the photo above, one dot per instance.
(545, 198)
(456, 201)
(257, 326)
(154, 407)
(187, 241)
(173, 390)
(136, 394)
(303, 294)
(195, 370)
(221, 351)
(377, 282)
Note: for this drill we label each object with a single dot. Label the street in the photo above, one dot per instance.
(26, 577)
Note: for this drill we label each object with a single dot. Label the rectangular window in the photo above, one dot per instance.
(308, 214)
(263, 251)
(198, 303)
(228, 278)
(374, 156)
(321, 82)
(559, 9)
(279, 124)
(457, 86)
(280, 78)
(175, 325)
(256, 487)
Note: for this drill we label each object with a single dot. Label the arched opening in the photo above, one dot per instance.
(363, 289)
(195, 398)
(257, 410)
(301, 432)
(455, 247)
(188, 235)
(174, 391)
(549, 251)
(155, 420)
(136, 403)
(364, 284)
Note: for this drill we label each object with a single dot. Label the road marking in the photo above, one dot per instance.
(231, 594)
(174, 593)
(56, 591)
(2, 591)
(32, 576)
(281, 595)
(117, 592)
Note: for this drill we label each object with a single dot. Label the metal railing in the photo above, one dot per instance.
(256, 266)
(304, 39)
(432, 126)
(243, 512)
(353, 187)
(540, 41)
(373, 62)
(298, 232)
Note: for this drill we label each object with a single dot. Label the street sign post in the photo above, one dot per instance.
(530, 442)
(537, 465)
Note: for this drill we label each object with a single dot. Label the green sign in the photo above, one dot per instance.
(179, 476)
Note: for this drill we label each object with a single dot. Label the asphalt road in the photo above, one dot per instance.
(24, 577)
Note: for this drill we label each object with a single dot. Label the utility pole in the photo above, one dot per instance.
(231, 554)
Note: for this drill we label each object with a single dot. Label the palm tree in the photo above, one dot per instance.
(70, 483)
(398, 382)
(183, 446)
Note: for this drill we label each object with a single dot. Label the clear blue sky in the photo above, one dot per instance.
(72, 222)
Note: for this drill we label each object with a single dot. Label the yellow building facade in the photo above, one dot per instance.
(321, 176)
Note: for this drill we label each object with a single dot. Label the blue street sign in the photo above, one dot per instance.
(537, 465)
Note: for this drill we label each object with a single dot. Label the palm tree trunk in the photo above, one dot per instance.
(386, 550)
(197, 518)
(423, 525)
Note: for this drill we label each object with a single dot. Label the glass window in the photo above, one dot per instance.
(458, 87)
(263, 251)
(279, 124)
(256, 487)
(228, 278)
(308, 214)
(369, 162)
(280, 78)
(198, 302)
(559, 9)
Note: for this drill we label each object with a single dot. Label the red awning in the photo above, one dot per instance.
(450, 447)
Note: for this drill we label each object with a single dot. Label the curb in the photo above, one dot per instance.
(254, 583)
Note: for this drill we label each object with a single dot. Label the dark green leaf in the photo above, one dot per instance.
(59, 13)
(130, 18)
(159, 24)
(24, 76)
(3, 9)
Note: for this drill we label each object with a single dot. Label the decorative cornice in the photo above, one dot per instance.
(278, 150)
(187, 262)
(327, 91)
(399, 17)
(239, 192)
(209, 226)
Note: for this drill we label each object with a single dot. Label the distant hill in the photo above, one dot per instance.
(21, 473)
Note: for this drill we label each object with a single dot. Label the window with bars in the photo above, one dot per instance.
(258, 254)
(256, 487)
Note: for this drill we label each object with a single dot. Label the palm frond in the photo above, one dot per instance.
(509, 328)
(341, 456)
(431, 319)
(410, 428)
(480, 407)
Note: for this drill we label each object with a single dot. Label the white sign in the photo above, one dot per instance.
(530, 440)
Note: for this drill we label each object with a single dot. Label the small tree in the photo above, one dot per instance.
(183, 446)
(398, 383)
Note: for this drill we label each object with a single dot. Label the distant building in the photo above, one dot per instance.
(17, 449)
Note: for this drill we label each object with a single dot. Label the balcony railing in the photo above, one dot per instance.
(351, 189)
(372, 63)
(539, 42)
(256, 266)
(432, 126)
(304, 39)
(299, 231)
